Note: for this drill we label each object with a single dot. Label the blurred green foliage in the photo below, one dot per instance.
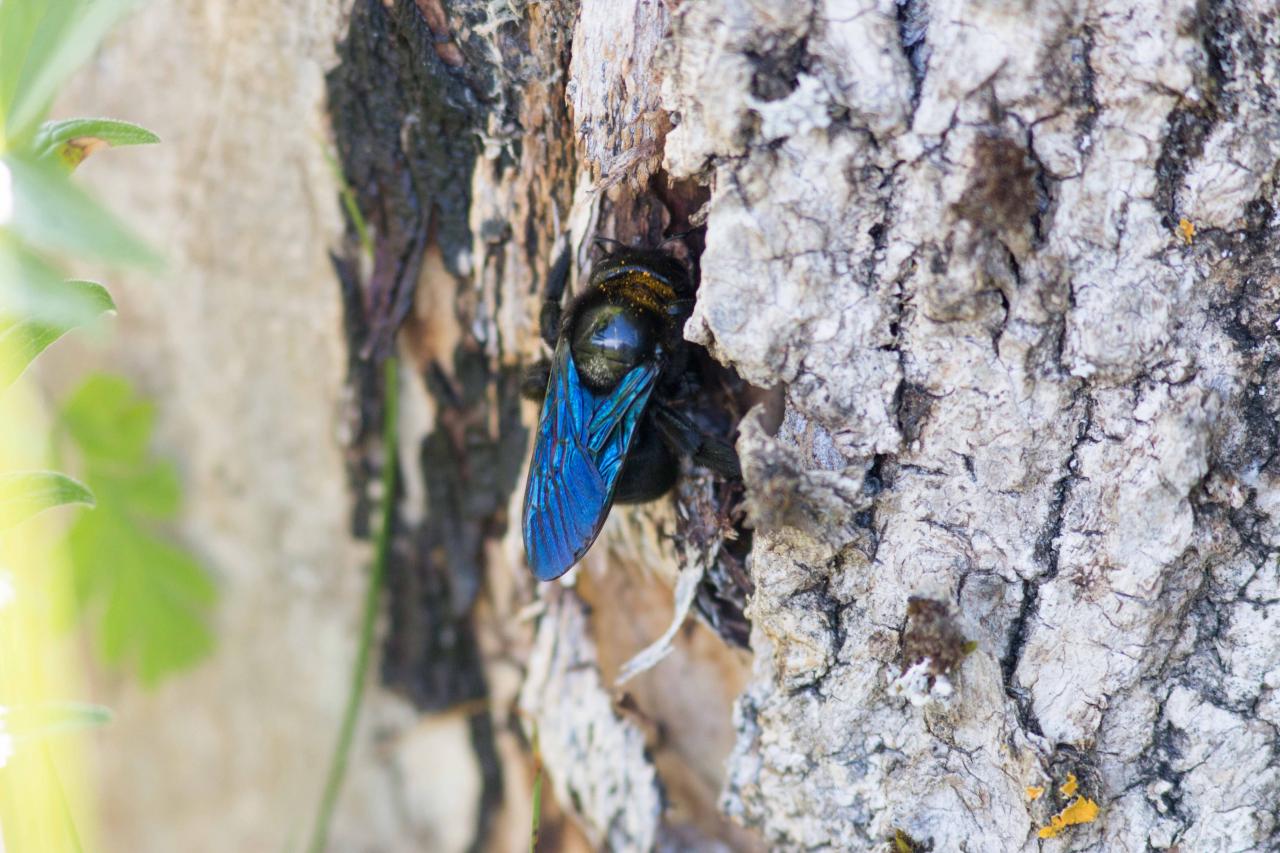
(44, 217)
(150, 598)
(25, 493)
(41, 43)
(23, 337)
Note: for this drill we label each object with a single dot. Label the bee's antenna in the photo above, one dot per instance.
(679, 235)
(600, 241)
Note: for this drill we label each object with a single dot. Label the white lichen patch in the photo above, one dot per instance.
(813, 303)
(919, 685)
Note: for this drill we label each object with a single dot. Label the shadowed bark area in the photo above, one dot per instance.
(410, 102)
(1010, 270)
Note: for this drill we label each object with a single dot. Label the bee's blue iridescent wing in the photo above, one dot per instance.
(582, 441)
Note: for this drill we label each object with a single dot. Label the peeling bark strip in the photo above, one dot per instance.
(413, 101)
(405, 125)
(606, 774)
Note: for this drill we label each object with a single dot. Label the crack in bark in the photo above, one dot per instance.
(1190, 123)
(913, 29)
(1047, 554)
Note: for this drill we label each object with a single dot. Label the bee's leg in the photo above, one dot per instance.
(557, 278)
(533, 385)
(685, 438)
(650, 469)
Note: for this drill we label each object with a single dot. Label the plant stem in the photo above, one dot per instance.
(349, 203)
(373, 593)
(537, 791)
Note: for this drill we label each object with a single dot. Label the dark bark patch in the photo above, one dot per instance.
(914, 403)
(413, 91)
(470, 472)
(776, 74)
(1004, 193)
(407, 125)
(932, 634)
(417, 85)
(913, 27)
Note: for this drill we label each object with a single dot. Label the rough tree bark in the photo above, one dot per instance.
(1011, 269)
(1005, 274)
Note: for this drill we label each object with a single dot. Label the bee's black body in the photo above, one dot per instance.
(608, 431)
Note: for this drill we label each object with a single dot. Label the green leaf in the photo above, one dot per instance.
(152, 599)
(26, 493)
(21, 341)
(28, 283)
(154, 596)
(55, 718)
(153, 491)
(41, 43)
(33, 291)
(109, 424)
(69, 142)
(54, 215)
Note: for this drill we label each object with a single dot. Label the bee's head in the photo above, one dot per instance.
(633, 309)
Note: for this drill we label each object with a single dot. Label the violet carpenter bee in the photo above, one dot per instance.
(610, 428)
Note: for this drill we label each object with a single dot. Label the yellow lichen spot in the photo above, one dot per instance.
(1034, 792)
(1187, 229)
(1070, 786)
(901, 842)
(1081, 810)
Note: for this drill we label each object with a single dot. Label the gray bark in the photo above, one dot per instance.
(1053, 408)
(1010, 270)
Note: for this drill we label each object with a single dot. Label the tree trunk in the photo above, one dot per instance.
(1005, 277)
